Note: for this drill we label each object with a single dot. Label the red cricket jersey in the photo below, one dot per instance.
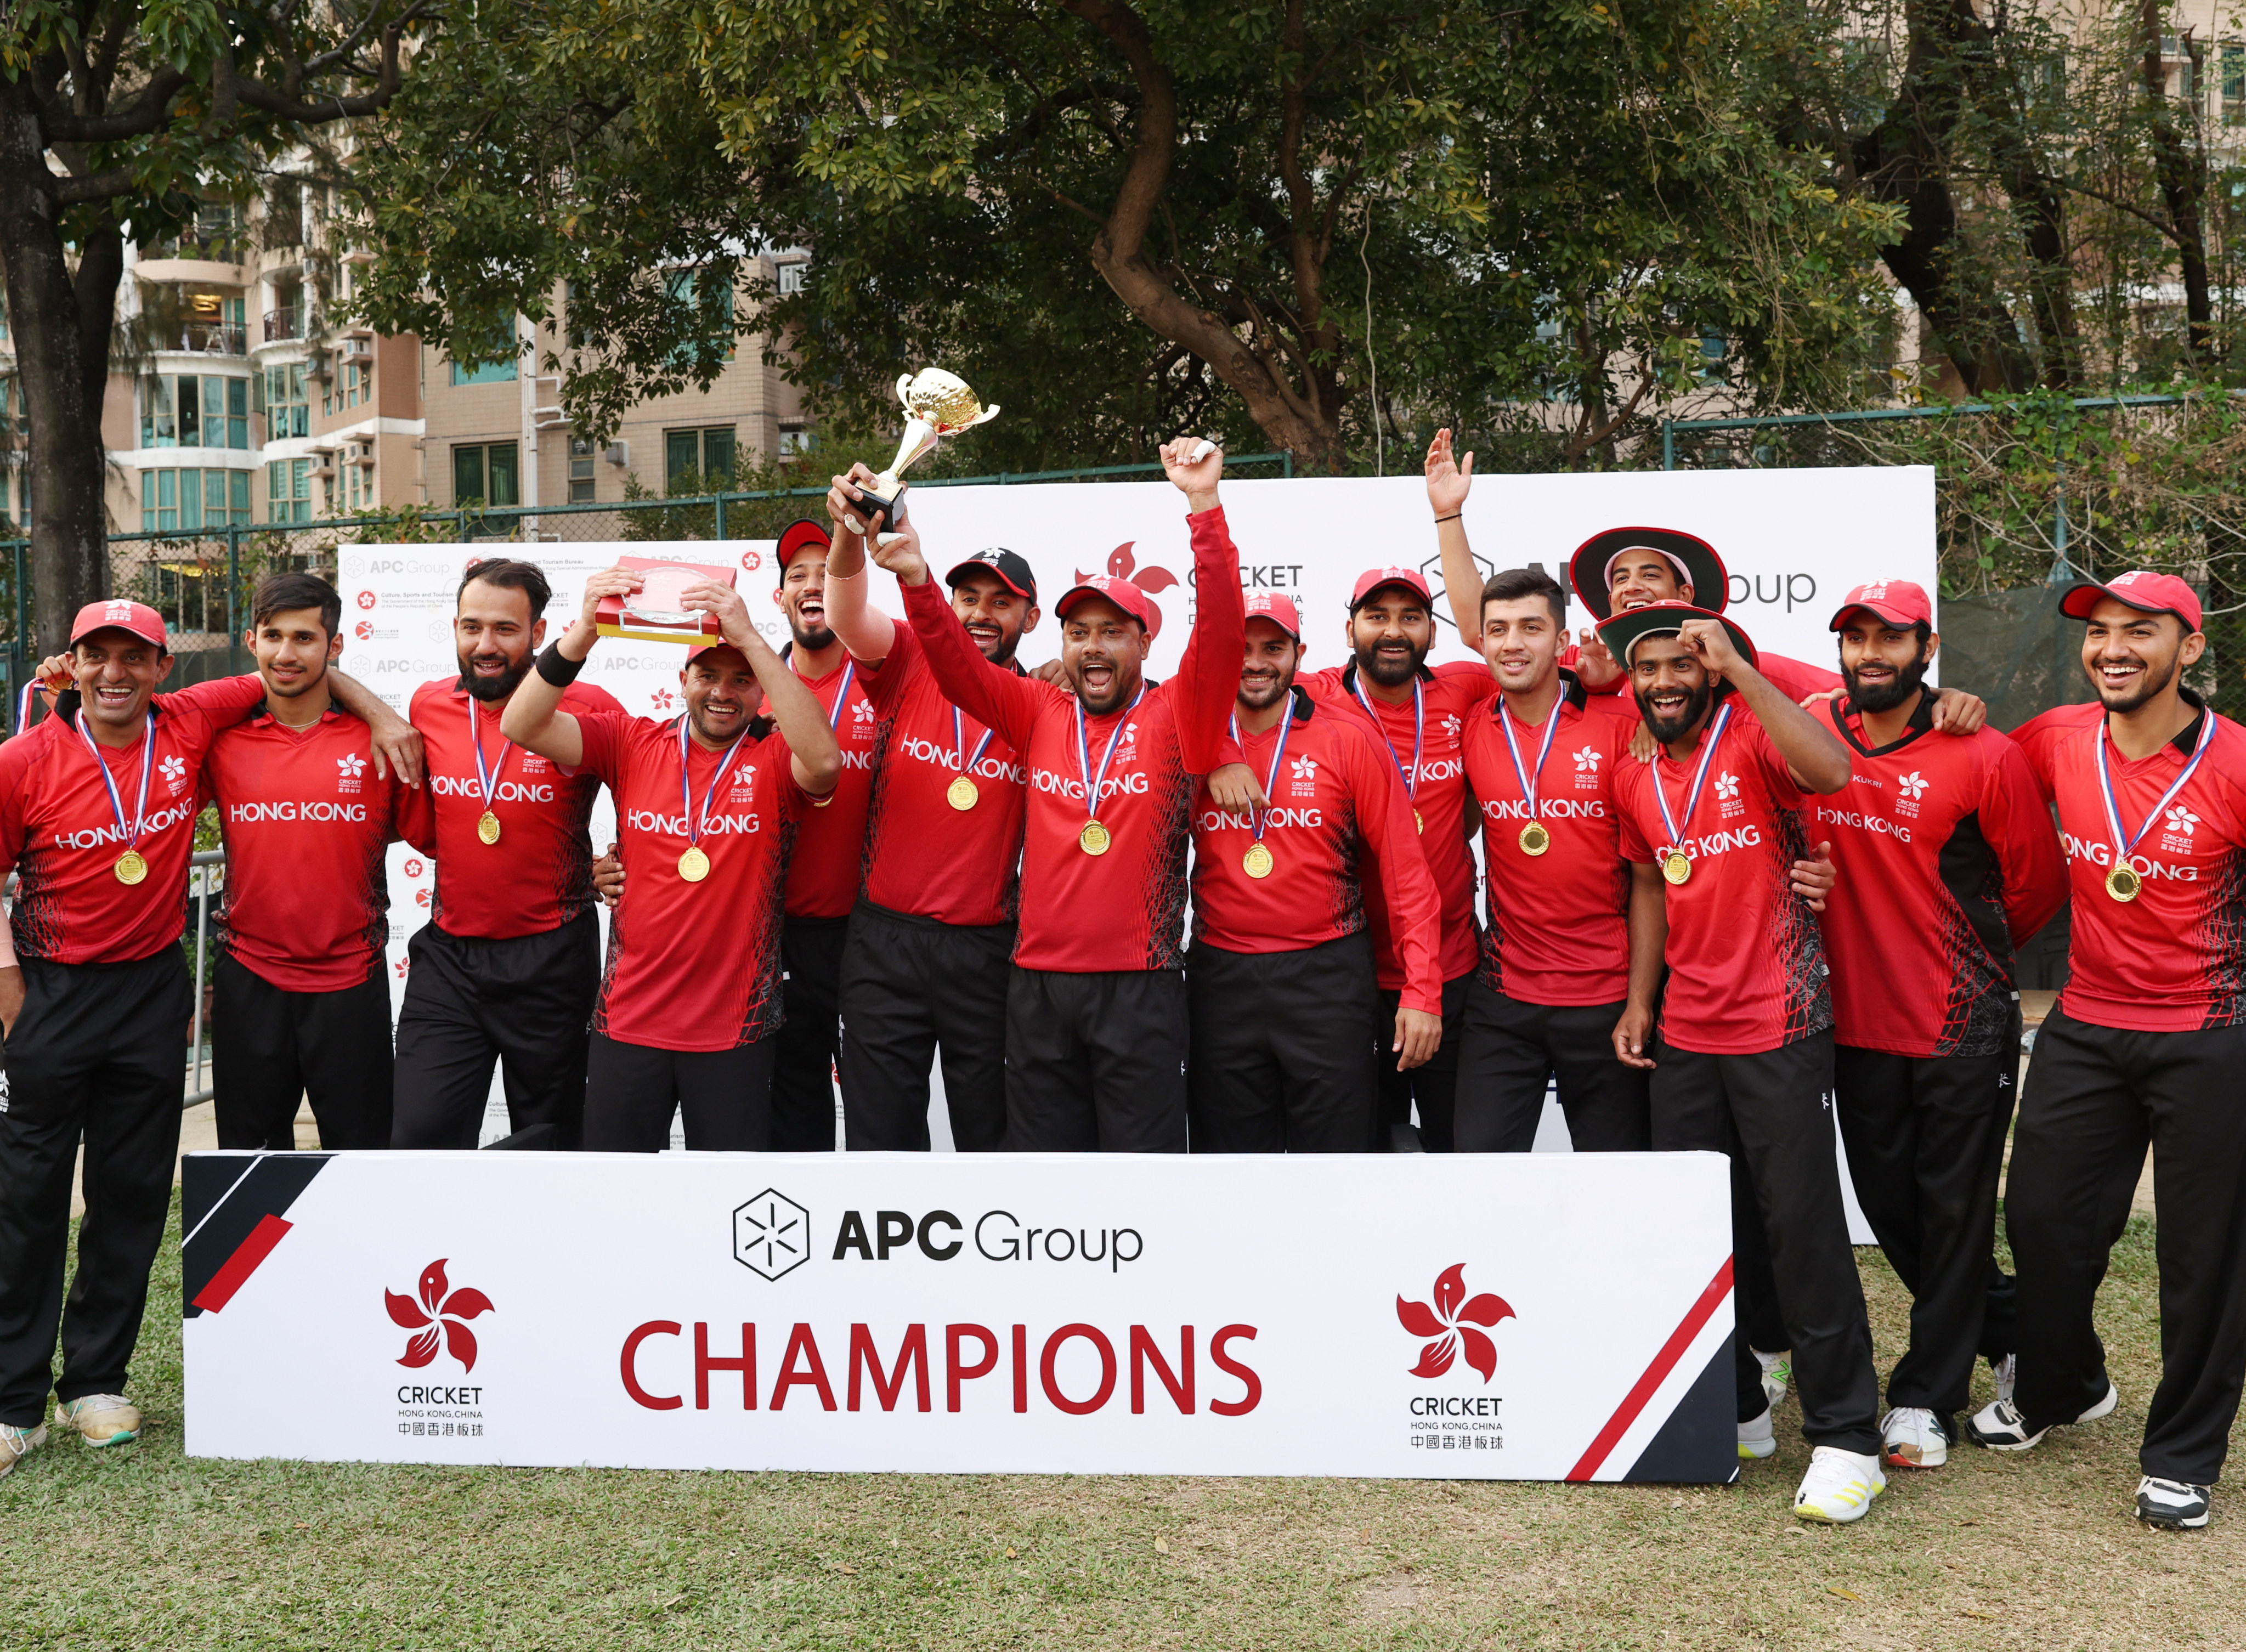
(1559, 929)
(823, 874)
(1747, 963)
(539, 875)
(1792, 678)
(58, 827)
(2174, 958)
(694, 966)
(306, 822)
(1124, 910)
(1338, 821)
(1947, 861)
(924, 856)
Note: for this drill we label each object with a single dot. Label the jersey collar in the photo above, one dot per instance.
(2185, 742)
(1921, 721)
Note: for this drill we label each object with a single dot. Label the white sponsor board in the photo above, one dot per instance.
(1542, 1317)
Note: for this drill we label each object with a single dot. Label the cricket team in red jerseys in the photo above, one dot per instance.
(1731, 902)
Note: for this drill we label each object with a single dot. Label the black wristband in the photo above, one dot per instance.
(558, 668)
(1452, 517)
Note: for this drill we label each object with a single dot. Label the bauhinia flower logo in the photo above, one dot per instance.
(174, 770)
(1727, 786)
(1305, 768)
(1588, 759)
(440, 1308)
(1451, 1321)
(1123, 564)
(2180, 820)
(1912, 786)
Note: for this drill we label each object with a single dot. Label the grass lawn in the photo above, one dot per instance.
(141, 1548)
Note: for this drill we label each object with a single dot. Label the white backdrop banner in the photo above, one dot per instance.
(1502, 1317)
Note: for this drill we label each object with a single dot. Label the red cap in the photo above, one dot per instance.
(139, 619)
(2138, 587)
(1278, 607)
(1373, 578)
(701, 648)
(1897, 601)
(799, 537)
(1122, 593)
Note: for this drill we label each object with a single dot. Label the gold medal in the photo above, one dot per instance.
(1674, 867)
(694, 866)
(2122, 882)
(487, 828)
(1418, 820)
(1257, 863)
(1093, 840)
(1535, 839)
(131, 869)
(961, 793)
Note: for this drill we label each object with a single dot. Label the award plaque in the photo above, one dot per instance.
(940, 404)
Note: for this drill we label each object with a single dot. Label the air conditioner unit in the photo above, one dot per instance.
(618, 454)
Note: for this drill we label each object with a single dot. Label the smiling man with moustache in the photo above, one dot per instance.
(508, 965)
(707, 805)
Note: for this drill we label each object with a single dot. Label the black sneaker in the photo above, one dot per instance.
(2177, 1504)
(1999, 1425)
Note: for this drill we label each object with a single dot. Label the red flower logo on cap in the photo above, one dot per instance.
(440, 1308)
(1123, 564)
(1446, 1322)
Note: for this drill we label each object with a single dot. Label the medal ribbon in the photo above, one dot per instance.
(959, 744)
(132, 828)
(1535, 775)
(486, 780)
(1278, 756)
(695, 827)
(1699, 779)
(842, 693)
(1091, 782)
(2123, 845)
(1419, 729)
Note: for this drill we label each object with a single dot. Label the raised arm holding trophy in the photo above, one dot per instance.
(940, 404)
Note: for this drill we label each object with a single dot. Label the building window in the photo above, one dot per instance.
(581, 491)
(358, 384)
(707, 300)
(486, 475)
(289, 491)
(705, 456)
(194, 411)
(192, 501)
(490, 373)
(2233, 62)
(287, 414)
(791, 276)
(797, 440)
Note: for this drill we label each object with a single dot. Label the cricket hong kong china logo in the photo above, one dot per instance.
(441, 1311)
(1455, 1324)
(1123, 564)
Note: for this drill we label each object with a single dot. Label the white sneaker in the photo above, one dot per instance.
(1840, 1485)
(1999, 1425)
(2175, 1504)
(101, 1419)
(2006, 1371)
(16, 1443)
(1910, 1437)
(1777, 1372)
(1758, 1438)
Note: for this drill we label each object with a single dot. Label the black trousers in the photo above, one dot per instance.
(631, 1090)
(1096, 1063)
(98, 1052)
(1771, 1111)
(1432, 1087)
(1510, 1051)
(1283, 1056)
(2095, 1096)
(912, 990)
(811, 1039)
(271, 1049)
(526, 1002)
(1926, 1138)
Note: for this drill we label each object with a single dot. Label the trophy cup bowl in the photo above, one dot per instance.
(938, 404)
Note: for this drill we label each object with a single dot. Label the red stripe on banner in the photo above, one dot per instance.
(1664, 1363)
(270, 1232)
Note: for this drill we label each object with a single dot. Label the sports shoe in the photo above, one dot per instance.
(1999, 1426)
(1840, 1485)
(1911, 1437)
(2006, 1372)
(1757, 1438)
(100, 1419)
(2175, 1504)
(1777, 1372)
(16, 1443)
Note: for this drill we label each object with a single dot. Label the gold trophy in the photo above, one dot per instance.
(940, 406)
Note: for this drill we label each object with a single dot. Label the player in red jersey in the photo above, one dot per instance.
(2146, 1045)
(1947, 862)
(1096, 1032)
(823, 871)
(301, 1007)
(97, 813)
(932, 936)
(508, 965)
(1287, 1028)
(1743, 1060)
(707, 805)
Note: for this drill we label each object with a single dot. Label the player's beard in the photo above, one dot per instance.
(812, 636)
(1010, 639)
(1670, 729)
(301, 687)
(1886, 696)
(1390, 673)
(2151, 683)
(1267, 691)
(722, 737)
(490, 689)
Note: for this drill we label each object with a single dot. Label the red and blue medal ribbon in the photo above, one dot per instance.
(131, 829)
(1271, 780)
(1093, 782)
(2124, 844)
(1419, 729)
(959, 743)
(1529, 778)
(1699, 779)
(696, 826)
(487, 779)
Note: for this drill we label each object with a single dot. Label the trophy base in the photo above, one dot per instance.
(876, 510)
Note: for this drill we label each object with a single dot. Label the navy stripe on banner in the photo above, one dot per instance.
(223, 1199)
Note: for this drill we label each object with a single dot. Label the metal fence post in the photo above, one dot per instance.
(233, 583)
(1668, 444)
(717, 521)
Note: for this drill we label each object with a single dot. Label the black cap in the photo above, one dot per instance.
(1692, 557)
(1623, 632)
(1009, 566)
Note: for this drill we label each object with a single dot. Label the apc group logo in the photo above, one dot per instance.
(1451, 1321)
(772, 1234)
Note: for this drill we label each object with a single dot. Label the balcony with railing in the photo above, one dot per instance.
(291, 321)
(203, 338)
